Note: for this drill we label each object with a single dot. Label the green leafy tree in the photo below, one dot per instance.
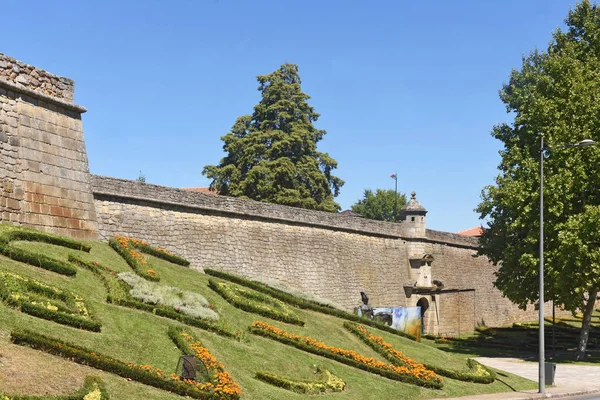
(379, 205)
(272, 154)
(556, 92)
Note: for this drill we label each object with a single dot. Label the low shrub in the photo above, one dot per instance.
(418, 375)
(478, 374)
(255, 302)
(219, 383)
(140, 373)
(13, 233)
(37, 260)
(188, 303)
(305, 304)
(277, 285)
(325, 382)
(47, 302)
(93, 389)
(118, 294)
(133, 258)
(153, 251)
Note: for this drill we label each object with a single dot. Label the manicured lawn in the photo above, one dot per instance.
(140, 337)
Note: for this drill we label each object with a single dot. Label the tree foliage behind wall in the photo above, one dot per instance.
(272, 154)
(380, 204)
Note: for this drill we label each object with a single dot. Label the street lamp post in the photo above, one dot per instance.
(542, 371)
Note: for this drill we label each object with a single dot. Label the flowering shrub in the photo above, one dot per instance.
(304, 303)
(325, 382)
(47, 302)
(187, 303)
(255, 302)
(219, 383)
(134, 259)
(153, 251)
(118, 293)
(478, 374)
(141, 373)
(414, 373)
(93, 389)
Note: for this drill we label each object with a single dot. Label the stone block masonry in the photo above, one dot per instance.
(44, 175)
(35, 79)
(329, 255)
(45, 183)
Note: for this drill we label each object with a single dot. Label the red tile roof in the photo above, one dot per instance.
(201, 190)
(476, 231)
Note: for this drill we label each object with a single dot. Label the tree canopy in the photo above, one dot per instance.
(272, 154)
(380, 205)
(555, 93)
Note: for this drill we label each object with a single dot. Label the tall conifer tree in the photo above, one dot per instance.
(272, 154)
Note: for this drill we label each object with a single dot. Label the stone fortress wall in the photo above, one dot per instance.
(44, 175)
(45, 183)
(332, 256)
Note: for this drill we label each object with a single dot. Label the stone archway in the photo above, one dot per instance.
(424, 304)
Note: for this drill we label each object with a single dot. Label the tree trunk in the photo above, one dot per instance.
(585, 324)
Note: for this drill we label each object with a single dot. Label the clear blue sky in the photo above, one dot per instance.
(407, 87)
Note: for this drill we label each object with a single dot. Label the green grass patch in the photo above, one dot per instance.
(140, 337)
(93, 389)
(47, 302)
(255, 302)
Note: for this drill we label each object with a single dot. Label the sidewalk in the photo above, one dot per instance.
(570, 380)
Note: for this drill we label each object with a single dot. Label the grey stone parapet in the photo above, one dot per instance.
(103, 186)
(36, 80)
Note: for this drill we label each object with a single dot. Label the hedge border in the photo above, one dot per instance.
(247, 305)
(37, 260)
(219, 378)
(12, 234)
(81, 355)
(448, 373)
(305, 304)
(89, 385)
(129, 302)
(302, 345)
(135, 265)
(317, 386)
(156, 252)
(41, 312)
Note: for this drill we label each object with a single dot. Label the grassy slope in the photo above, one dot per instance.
(140, 337)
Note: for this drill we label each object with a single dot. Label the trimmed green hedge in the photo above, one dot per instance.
(13, 233)
(305, 304)
(325, 382)
(118, 294)
(480, 375)
(255, 302)
(47, 302)
(91, 385)
(137, 267)
(81, 355)
(37, 260)
(162, 254)
(366, 364)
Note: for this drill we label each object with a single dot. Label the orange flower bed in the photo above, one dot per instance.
(412, 372)
(221, 383)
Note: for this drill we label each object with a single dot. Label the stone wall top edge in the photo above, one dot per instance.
(36, 79)
(126, 188)
(452, 238)
(41, 96)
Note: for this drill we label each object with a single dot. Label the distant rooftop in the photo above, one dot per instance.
(475, 231)
(205, 190)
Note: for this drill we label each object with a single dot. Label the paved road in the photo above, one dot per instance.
(570, 380)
